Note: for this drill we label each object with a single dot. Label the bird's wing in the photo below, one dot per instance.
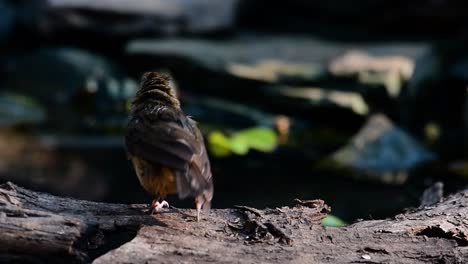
(168, 138)
(198, 179)
(157, 143)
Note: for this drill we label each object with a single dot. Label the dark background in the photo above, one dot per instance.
(367, 99)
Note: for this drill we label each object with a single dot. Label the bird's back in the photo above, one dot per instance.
(165, 146)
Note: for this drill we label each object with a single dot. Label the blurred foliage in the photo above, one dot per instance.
(19, 109)
(432, 132)
(333, 221)
(460, 168)
(239, 143)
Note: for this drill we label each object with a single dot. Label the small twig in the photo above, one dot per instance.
(277, 232)
(249, 209)
(260, 225)
(310, 203)
(233, 226)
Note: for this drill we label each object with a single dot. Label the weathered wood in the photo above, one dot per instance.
(38, 227)
(42, 227)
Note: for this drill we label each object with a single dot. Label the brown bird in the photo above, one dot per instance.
(166, 147)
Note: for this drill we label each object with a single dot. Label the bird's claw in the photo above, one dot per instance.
(157, 206)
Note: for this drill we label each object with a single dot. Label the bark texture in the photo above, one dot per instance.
(39, 228)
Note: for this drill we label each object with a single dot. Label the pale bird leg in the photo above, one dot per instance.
(199, 206)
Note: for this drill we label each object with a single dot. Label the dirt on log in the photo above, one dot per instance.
(38, 228)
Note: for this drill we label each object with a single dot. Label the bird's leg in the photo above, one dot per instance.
(198, 204)
(157, 206)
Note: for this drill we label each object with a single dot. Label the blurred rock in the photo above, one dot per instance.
(284, 59)
(56, 73)
(382, 152)
(276, 71)
(132, 18)
(354, 62)
(7, 16)
(262, 69)
(323, 98)
(269, 59)
(75, 86)
(287, 74)
(16, 109)
(391, 71)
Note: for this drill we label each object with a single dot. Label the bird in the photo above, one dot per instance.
(166, 147)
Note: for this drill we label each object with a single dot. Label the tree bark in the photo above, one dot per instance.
(37, 228)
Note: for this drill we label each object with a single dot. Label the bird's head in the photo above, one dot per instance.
(156, 86)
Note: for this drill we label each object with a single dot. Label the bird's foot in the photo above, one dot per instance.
(157, 206)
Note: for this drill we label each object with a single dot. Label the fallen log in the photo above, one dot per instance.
(37, 228)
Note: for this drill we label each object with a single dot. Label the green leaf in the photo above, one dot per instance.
(261, 139)
(239, 145)
(332, 220)
(219, 144)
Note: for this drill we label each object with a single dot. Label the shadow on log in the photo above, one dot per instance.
(38, 228)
